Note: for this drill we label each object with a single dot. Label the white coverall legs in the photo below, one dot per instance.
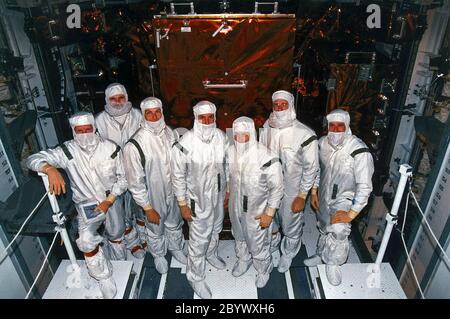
(247, 230)
(203, 240)
(291, 227)
(168, 234)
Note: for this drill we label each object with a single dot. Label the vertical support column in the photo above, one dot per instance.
(60, 220)
(391, 217)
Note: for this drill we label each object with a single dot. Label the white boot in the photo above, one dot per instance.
(334, 274)
(263, 278)
(312, 261)
(201, 289)
(179, 255)
(241, 267)
(217, 262)
(108, 288)
(161, 265)
(284, 264)
(100, 269)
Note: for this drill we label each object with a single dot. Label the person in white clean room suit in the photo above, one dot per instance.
(97, 179)
(296, 146)
(118, 122)
(147, 166)
(345, 184)
(256, 189)
(198, 161)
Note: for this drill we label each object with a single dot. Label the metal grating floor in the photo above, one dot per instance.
(358, 282)
(63, 285)
(222, 283)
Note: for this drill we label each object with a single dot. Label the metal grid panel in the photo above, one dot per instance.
(222, 283)
(357, 280)
(234, 288)
(89, 287)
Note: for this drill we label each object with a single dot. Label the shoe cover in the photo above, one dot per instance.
(201, 289)
(217, 262)
(161, 264)
(108, 288)
(180, 256)
(241, 267)
(98, 266)
(262, 279)
(334, 275)
(284, 264)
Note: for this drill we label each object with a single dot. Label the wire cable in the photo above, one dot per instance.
(430, 230)
(5, 251)
(43, 264)
(406, 248)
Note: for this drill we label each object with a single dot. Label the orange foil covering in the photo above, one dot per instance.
(255, 50)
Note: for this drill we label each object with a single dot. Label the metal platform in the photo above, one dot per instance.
(222, 283)
(64, 284)
(359, 282)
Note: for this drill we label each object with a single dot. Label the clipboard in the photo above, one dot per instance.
(88, 210)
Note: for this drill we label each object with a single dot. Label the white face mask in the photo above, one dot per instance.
(204, 131)
(87, 141)
(241, 147)
(157, 126)
(282, 115)
(336, 138)
(207, 129)
(281, 119)
(118, 109)
(117, 106)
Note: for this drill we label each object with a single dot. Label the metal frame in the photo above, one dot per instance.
(373, 56)
(19, 43)
(226, 16)
(190, 4)
(427, 200)
(275, 6)
(400, 146)
(241, 85)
